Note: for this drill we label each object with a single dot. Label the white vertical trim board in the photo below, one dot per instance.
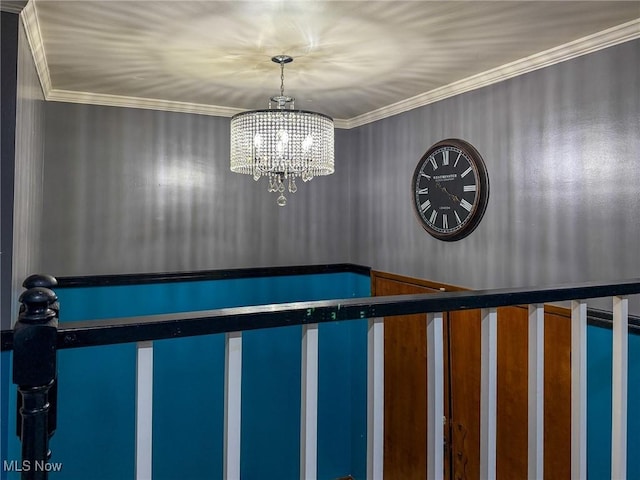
(488, 393)
(578, 390)
(144, 410)
(619, 390)
(309, 403)
(536, 392)
(375, 399)
(435, 397)
(232, 405)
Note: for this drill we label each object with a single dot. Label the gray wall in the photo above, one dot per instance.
(146, 191)
(562, 147)
(29, 155)
(137, 191)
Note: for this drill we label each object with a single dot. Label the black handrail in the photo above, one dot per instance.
(185, 324)
(200, 275)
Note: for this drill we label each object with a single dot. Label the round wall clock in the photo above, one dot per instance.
(450, 189)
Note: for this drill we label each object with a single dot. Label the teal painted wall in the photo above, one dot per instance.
(97, 385)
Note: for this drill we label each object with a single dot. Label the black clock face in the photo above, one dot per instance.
(450, 189)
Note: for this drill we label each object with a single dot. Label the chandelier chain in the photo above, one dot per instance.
(282, 79)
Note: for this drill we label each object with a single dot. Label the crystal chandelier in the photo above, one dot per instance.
(282, 143)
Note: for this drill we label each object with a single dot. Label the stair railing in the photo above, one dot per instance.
(37, 336)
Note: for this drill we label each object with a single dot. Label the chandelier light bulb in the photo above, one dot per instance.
(307, 143)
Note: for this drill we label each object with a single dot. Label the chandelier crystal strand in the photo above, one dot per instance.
(282, 143)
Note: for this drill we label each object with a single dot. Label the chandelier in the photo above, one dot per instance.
(282, 143)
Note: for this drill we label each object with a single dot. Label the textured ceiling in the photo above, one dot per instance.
(351, 57)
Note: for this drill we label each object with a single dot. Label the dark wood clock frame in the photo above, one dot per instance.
(450, 189)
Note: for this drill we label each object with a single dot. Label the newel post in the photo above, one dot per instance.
(34, 371)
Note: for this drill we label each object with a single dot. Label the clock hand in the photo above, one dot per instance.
(451, 195)
(442, 188)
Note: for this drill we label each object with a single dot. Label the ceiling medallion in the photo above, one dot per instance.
(282, 143)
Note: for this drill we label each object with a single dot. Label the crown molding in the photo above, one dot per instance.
(69, 96)
(88, 98)
(29, 16)
(12, 6)
(598, 41)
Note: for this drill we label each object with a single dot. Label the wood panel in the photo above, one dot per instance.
(557, 393)
(513, 391)
(405, 389)
(405, 385)
(511, 428)
(465, 373)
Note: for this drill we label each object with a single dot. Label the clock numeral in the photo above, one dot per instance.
(425, 206)
(457, 217)
(455, 164)
(466, 205)
(470, 188)
(432, 218)
(433, 162)
(466, 172)
(428, 177)
(445, 222)
(423, 191)
(445, 158)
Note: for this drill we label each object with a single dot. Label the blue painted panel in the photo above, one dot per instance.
(334, 401)
(188, 416)
(359, 398)
(97, 401)
(271, 373)
(599, 391)
(188, 408)
(342, 400)
(271, 403)
(599, 365)
(13, 445)
(633, 425)
(6, 392)
(95, 387)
